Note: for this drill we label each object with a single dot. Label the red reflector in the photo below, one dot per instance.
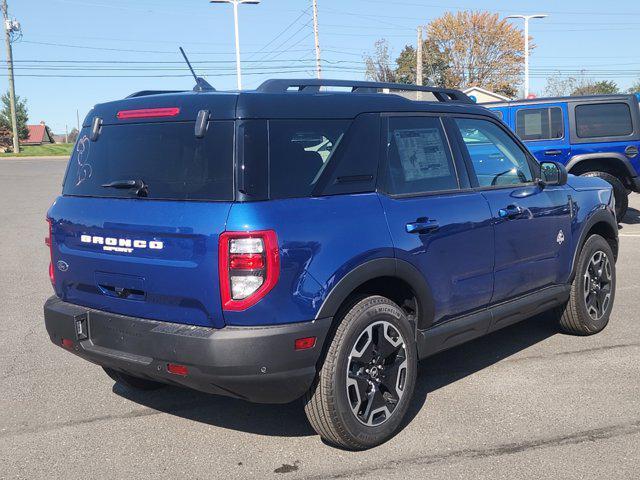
(177, 369)
(148, 113)
(305, 343)
(246, 261)
(66, 343)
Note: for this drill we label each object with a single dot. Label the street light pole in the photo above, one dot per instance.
(526, 19)
(237, 33)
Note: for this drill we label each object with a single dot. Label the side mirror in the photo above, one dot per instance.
(553, 173)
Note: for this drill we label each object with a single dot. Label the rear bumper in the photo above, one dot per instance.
(258, 364)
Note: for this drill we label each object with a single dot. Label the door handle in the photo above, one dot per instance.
(510, 212)
(422, 225)
(553, 153)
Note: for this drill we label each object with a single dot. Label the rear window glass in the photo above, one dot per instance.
(166, 157)
(299, 150)
(603, 120)
(539, 123)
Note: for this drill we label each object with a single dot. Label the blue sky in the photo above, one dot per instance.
(69, 46)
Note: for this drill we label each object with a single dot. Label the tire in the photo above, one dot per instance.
(589, 307)
(620, 192)
(131, 382)
(334, 405)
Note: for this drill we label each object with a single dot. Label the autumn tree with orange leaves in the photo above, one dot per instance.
(480, 50)
(461, 50)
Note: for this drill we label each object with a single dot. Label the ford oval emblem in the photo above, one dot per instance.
(62, 265)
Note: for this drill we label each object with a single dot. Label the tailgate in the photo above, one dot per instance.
(148, 259)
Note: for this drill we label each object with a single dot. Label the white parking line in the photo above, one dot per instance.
(629, 234)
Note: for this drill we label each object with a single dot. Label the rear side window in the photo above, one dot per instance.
(299, 151)
(539, 123)
(603, 120)
(166, 156)
(419, 160)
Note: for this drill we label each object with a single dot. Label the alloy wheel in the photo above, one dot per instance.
(376, 373)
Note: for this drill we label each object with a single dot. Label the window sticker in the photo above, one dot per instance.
(533, 123)
(421, 153)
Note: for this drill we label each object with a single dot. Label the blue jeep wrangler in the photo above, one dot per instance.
(593, 136)
(298, 241)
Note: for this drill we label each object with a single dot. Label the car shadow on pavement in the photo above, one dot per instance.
(289, 420)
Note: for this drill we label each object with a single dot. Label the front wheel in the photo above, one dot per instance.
(366, 382)
(593, 290)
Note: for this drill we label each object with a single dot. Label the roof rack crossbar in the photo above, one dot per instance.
(314, 85)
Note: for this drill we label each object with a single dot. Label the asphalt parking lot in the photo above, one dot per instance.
(525, 402)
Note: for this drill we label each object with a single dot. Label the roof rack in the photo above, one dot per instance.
(314, 85)
(144, 93)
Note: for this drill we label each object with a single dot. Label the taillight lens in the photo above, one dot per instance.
(49, 242)
(249, 266)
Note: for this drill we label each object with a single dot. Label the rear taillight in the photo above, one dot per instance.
(49, 242)
(249, 267)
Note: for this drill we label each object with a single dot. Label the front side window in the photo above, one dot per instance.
(603, 120)
(497, 159)
(539, 123)
(419, 159)
(299, 151)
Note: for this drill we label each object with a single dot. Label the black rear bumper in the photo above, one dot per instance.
(258, 364)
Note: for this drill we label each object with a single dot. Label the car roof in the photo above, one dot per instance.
(285, 98)
(575, 99)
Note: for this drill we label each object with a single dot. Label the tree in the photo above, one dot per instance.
(434, 65)
(379, 67)
(73, 135)
(635, 88)
(21, 115)
(558, 86)
(603, 87)
(480, 49)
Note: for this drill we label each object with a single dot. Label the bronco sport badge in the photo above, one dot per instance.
(123, 245)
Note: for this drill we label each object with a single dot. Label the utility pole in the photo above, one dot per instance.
(9, 27)
(78, 121)
(419, 61)
(235, 4)
(526, 19)
(66, 133)
(317, 37)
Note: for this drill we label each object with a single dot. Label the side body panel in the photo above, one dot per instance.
(321, 240)
(456, 259)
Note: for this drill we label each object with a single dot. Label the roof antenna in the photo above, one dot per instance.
(201, 84)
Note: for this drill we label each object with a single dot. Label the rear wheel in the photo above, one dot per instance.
(132, 382)
(620, 192)
(366, 382)
(593, 290)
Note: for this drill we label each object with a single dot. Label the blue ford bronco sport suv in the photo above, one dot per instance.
(302, 241)
(593, 136)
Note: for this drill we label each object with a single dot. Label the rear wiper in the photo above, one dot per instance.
(142, 190)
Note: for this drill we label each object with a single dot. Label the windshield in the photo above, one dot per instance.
(164, 157)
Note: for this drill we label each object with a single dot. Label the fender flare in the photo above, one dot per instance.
(601, 215)
(602, 156)
(372, 269)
